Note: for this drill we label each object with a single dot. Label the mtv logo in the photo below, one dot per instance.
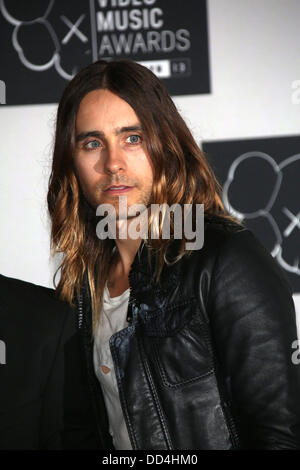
(2, 92)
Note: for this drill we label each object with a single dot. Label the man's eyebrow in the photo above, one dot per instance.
(121, 130)
(100, 135)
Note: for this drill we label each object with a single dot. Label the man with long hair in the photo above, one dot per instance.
(184, 348)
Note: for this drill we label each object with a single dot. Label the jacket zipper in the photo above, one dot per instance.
(80, 313)
(135, 305)
(131, 304)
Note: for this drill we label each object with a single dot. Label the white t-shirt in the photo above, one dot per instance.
(113, 318)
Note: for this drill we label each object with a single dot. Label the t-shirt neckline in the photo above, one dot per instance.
(117, 299)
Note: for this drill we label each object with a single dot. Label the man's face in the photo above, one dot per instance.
(110, 150)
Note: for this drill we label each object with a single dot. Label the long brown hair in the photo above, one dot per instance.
(182, 175)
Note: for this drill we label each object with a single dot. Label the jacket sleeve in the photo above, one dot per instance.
(66, 421)
(254, 326)
(51, 423)
(79, 431)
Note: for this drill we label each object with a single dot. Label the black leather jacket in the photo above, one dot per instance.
(206, 362)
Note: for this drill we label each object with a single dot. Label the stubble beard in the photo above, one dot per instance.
(144, 198)
(122, 220)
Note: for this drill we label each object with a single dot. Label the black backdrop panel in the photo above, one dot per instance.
(45, 42)
(261, 183)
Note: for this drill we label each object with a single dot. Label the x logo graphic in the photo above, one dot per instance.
(73, 29)
(295, 221)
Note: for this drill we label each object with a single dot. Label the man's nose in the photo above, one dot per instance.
(113, 159)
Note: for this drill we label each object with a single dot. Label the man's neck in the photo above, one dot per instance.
(125, 254)
(126, 249)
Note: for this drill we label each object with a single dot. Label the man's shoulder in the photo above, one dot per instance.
(18, 291)
(222, 226)
(10, 284)
(226, 236)
(234, 248)
(221, 233)
(23, 300)
(223, 238)
(229, 243)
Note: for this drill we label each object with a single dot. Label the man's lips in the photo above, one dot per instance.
(117, 188)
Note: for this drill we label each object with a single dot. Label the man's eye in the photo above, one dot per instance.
(92, 144)
(134, 139)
